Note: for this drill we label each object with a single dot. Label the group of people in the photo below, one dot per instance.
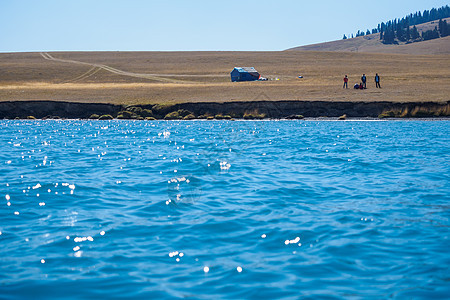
(362, 85)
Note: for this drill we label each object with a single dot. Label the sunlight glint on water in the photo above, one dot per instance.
(222, 209)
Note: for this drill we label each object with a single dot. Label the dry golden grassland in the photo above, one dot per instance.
(174, 77)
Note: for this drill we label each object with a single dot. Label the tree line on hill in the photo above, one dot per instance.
(397, 30)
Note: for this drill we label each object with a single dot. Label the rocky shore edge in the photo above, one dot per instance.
(222, 111)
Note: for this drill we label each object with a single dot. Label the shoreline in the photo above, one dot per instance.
(249, 110)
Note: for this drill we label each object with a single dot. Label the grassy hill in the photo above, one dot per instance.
(372, 44)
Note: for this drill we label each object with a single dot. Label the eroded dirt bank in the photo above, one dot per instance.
(226, 110)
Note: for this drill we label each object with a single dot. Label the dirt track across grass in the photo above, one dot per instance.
(97, 67)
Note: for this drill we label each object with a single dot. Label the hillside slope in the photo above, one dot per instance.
(372, 44)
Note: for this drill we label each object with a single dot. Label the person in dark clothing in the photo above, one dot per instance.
(377, 81)
(356, 86)
(361, 86)
(345, 82)
(363, 80)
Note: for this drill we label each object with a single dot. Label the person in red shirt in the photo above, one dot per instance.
(345, 82)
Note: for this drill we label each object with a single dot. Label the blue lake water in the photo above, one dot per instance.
(224, 209)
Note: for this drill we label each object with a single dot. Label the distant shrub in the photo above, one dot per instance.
(387, 114)
(343, 117)
(173, 116)
(94, 117)
(134, 109)
(150, 118)
(235, 115)
(160, 110)
(295, 117)
(184, 112)
(146, 113)
(189, 117)
(125, 115)
(50, 117)
(135, 112)
(178, 115)
(261, 116)
(223, 117)
(205, 116)
(105, 117)
(209, 118)
(253, 116)
(31, 118)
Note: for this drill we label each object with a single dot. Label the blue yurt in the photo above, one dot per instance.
(244, 74)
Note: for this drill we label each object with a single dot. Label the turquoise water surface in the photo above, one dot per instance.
(224, 209)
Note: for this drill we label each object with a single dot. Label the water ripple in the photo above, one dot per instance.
(224, 209)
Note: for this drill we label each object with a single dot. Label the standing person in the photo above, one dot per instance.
(363, 80)
(345, 82)
(377, 81)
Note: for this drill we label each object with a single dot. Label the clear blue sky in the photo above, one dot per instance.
(174, 25)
